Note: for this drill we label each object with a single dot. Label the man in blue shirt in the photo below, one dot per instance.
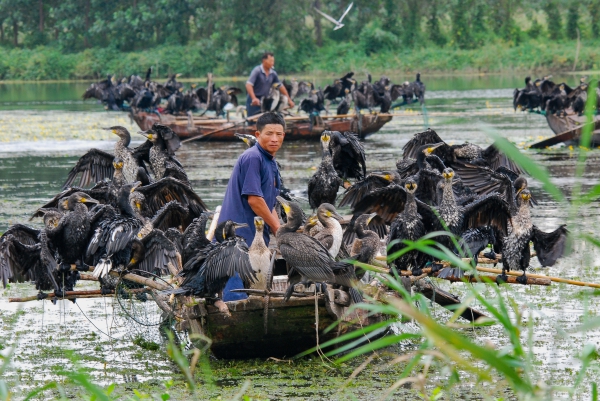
(259, 83)
(253, 187)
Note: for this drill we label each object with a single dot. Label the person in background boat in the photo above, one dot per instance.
(253, 188)
(260, 81)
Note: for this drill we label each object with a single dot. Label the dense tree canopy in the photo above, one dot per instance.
(233, 33)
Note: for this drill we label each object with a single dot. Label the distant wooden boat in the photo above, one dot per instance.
(297, 127)
(567, 129)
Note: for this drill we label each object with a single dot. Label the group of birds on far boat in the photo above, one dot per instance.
(547, 96)
(136, 93)
(141, 214)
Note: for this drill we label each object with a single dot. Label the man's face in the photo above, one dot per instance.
(269, 62)
(271, 137)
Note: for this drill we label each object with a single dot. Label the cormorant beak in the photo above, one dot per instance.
(136, 185)
(325, 137)
(433, 147)
(239, 225)
(526, 197)
(337, 216)
(284, 204)
(410, 186)
(89, 200)
(258, 222)
(371, 217)
(448, 175)
(147, 134)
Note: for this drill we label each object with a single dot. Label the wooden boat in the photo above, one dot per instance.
(291, 326)
(297, 127)
(567, 129)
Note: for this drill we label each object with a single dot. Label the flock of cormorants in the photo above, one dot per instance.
(172, 98)
(141, 213)
(547, 96)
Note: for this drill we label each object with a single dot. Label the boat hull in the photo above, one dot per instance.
(571, 122)
(297, 128)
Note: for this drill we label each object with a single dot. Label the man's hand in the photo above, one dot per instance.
(255, 102)
(291, 103)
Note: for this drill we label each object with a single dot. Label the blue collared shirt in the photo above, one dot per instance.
(261, 81)
(255, 173)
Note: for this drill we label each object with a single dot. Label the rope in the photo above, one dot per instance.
(84, 315)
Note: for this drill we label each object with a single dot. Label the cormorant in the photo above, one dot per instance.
(418, 88)
(308, 260)
(331, 234)
(490, 157)
(175, 102)
(348, 154)
(313, 104)
(274, 101)
(374, 180)
(165, 143)
(260, 256)
(521, 230)
(312, 226)
(344, 106)
(218, 265)
(71, 235)
(407, 226)
(194, 237)
(96, 165)
(366, 245)
(292, 87)
(332, 92)
(324, 184)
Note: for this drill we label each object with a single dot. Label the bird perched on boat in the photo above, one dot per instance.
(348, 154)
(223, 261)
(260, 256)
(578, 98)
(491, 156)
(363, 96)
(521, 230)
(165, 143)
(172, 85)
(331, 233)
(407, 225)
(324, 184)
(27, 254)
(96, 165)
(332, 92)
(111, 242)
(304, 88)
(175, 102)
(194, 237)
(373, 181)
(365, 247)
(221, 97)
(292, 87)
(274, 100)
(314, 103)
(308, 260)
(344, 106)
(71, 235)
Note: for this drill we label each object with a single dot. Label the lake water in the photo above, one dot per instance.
(44, 128)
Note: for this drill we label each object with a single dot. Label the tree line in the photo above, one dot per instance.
(238, 31)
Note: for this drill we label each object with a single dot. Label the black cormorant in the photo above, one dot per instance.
(324, 184)
(217, 266)
(308, 260)
(165, 143)
(348, 154)
(490, 157)
(521, 230)
(344, 106)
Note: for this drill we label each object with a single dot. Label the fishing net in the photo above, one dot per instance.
(146, 315)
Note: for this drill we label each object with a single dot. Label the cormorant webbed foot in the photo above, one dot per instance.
(41, 295)
(501, 278)
(81, 267)
(64, 267)
(491, 255)
(522, 279)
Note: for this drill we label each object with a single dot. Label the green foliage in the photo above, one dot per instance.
(373, 39)
(554, 20)
(572, 20)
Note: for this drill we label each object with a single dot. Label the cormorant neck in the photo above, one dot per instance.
(124, 206)
(411, 204)
(125, 140)
(448, 193)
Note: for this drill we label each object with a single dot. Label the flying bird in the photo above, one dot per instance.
(338, 23)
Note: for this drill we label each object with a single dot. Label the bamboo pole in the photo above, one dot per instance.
(76, 294)
(213, 224)
(555, 279)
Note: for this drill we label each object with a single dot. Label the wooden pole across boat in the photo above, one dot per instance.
(76, 294)
(226, 127)
(569, 135)
(555, 279)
